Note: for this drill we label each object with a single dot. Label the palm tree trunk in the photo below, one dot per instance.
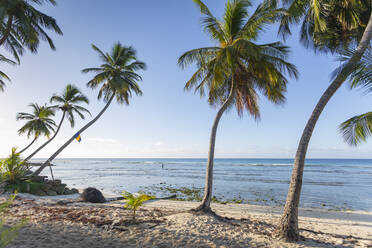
(7, 30)
(205, 205)
(46, 163)
(49, 140)
(24, 149)
(288, 224)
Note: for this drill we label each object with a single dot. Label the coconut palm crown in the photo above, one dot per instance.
(326, 25)
(69, 102)
(23, 26)
(37, 123)
(237, 58)
(117, 76)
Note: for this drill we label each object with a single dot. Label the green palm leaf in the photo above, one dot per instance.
(23, 26)
(357, 129)
(38, 122)
(117, 75)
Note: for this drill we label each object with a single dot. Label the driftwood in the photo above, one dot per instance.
(38, 164)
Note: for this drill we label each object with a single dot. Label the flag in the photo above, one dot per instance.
(77, 137)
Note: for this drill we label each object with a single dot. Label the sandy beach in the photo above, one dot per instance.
(166, 223)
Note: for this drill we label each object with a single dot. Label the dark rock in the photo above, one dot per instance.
(51, 193)
(46, 187)
(92, 195)
(55, 182)
(60, 189)
(39, 179)
(40, 193)
(74, 191)
(67, 191)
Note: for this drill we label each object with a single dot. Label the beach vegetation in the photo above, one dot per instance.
(117, 79)
(236, 70)
(326, 26)
(69, 104)
(8, 233)
(135, 201)
(38, 123)
(13, 168)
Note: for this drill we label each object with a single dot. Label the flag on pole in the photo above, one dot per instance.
(77, 137)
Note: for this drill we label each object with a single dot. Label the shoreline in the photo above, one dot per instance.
(166, 223)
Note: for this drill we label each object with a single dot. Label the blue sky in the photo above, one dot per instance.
(166, 121)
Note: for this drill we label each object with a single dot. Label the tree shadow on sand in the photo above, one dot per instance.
(264, 228)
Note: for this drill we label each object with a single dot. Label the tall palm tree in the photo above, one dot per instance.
(324, 23)
(236, 69)
(68, 103)
(117, 78)
(38, 123)
(2, 74)
(21, 25)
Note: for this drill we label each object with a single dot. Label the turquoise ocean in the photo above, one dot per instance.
(328, 183)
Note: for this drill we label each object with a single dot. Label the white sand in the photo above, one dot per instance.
(166, 225)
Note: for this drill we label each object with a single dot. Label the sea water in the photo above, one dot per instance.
(327, 183)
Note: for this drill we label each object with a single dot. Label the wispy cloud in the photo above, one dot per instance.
(102, 140)
(159, 143)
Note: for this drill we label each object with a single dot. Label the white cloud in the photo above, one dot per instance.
(159, 143)
(102, 140)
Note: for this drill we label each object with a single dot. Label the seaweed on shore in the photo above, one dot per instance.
(188, 194)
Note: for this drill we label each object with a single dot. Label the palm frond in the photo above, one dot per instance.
(235, 14)
(358, 73)
(210, 23)
(118, 73)
(357, 129)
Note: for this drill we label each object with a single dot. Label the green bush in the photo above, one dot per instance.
(13, 168)
(7, 234)
(135, 201)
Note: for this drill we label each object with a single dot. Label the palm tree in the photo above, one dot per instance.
(38, 123)
(323, 25)
(21, 25)
(116, 77)
(68, 103)
(236, 68)
(2, 74)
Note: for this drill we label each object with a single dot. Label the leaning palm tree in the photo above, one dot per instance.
(236, 69)
(38, 123)
(21, 25)
(327, 25)
(2, 74)
(68, 103)
(117, 78)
